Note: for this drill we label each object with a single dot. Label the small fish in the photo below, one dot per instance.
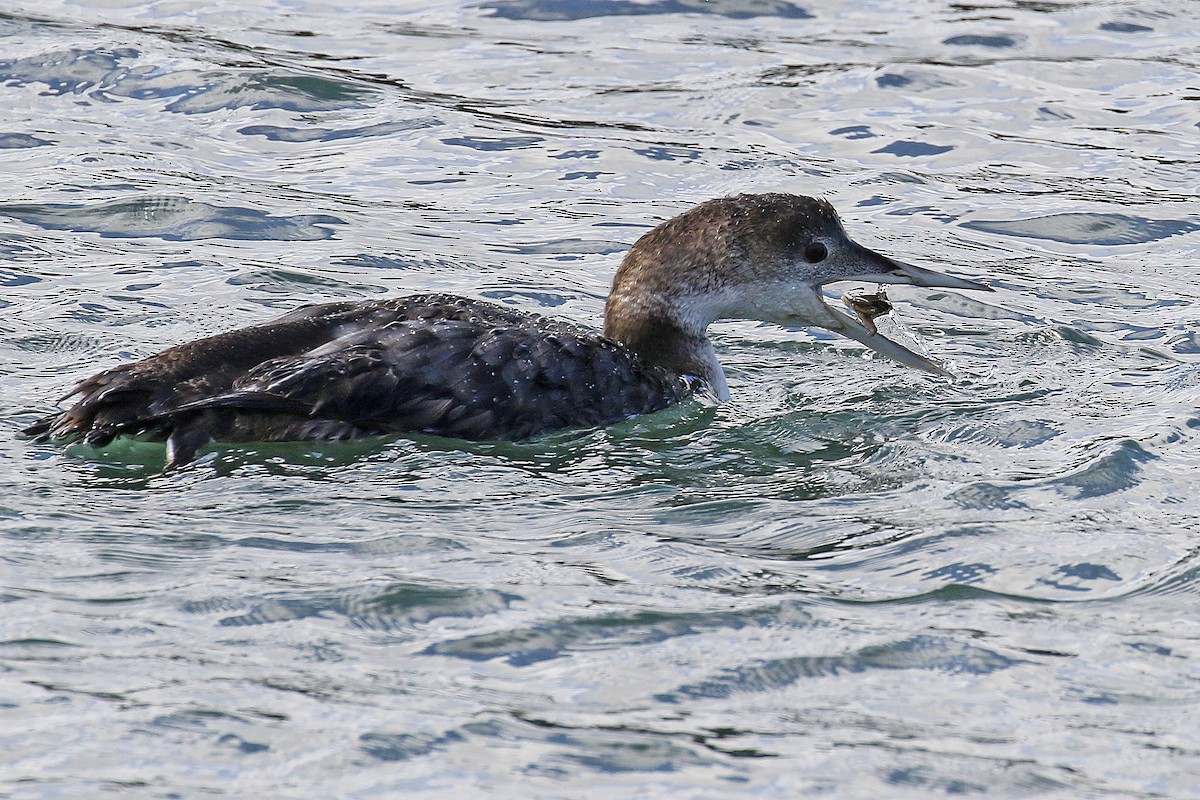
(868, 306)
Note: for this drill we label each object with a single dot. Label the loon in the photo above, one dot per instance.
(457, 367)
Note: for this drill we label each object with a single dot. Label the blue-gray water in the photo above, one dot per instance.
(853, 580)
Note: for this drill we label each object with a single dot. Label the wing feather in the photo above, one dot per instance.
(429, 363)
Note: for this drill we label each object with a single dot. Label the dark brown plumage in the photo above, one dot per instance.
(433, 363)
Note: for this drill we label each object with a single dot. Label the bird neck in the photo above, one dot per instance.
(666, 333)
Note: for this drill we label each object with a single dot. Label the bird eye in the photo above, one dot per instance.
(815, 252)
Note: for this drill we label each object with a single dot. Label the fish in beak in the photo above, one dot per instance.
(878, 268)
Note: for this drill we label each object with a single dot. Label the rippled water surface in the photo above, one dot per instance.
(853, 580)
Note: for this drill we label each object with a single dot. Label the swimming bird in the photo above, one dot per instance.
(459, 367)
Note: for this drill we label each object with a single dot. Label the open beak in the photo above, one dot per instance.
(853, 329)
(881, 269)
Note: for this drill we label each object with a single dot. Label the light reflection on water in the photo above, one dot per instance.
(851, 580)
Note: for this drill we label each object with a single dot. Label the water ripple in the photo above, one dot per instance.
(398, 607)
(108, 74)
(1101, 229)
(522, 647)
(172, 219)
(920, 652)
(277, 133)
(565, 10)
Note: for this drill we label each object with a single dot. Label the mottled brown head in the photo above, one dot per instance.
(760, 257)
(727, 242)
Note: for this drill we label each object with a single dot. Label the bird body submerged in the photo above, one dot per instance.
(465, 368)
(432, 363)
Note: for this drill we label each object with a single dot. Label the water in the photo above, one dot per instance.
(853, 580)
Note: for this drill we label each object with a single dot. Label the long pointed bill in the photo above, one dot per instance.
(879, 268)
(853, 329)
(918, 276)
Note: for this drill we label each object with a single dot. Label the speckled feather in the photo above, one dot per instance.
(436, 364)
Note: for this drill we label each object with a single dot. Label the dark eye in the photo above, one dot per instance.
(815, 252)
